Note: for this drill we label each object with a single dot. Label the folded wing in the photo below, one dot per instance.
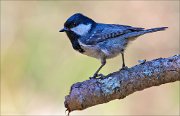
(108, 31)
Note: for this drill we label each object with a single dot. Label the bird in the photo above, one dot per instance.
(99, 40)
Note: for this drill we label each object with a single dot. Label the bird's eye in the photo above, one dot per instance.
(74, 24)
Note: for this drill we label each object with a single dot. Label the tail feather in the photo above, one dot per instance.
(155, 29)
(142, 32)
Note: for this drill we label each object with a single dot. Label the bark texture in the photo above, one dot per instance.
(120, 84)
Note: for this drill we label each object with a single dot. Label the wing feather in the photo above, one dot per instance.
(103, 32)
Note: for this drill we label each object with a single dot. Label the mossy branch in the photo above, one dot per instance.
(120, 84)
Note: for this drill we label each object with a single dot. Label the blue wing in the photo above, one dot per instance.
(103, 32)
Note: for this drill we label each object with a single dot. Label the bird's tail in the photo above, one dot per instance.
(155, 29)
(133, 35)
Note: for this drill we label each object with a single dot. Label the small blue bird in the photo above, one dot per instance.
(101, 41)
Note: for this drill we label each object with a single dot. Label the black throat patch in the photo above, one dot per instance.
(74, 41)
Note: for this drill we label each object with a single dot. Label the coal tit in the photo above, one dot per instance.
(101, 41)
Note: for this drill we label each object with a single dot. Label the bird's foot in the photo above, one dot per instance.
(124, 68)
(142, 61)
(96, 75)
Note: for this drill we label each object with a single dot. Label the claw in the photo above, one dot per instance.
(96, 75)
(142, 61)
(124, 68)
(100, 75)
(93, 77)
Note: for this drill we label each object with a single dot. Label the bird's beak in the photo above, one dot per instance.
(64, 29)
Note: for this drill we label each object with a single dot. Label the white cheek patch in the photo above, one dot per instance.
(81, 29)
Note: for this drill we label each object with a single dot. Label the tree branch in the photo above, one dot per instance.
(120, 84)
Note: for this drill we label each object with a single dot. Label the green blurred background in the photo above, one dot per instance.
(38, 64)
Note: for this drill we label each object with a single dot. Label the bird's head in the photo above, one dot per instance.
(78, 24)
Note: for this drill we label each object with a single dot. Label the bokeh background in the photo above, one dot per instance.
(38, 64)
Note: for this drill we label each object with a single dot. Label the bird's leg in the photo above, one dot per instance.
(103, 62)
(123, 65)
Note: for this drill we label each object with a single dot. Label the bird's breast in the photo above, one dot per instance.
(91, 50)
(107, 49)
